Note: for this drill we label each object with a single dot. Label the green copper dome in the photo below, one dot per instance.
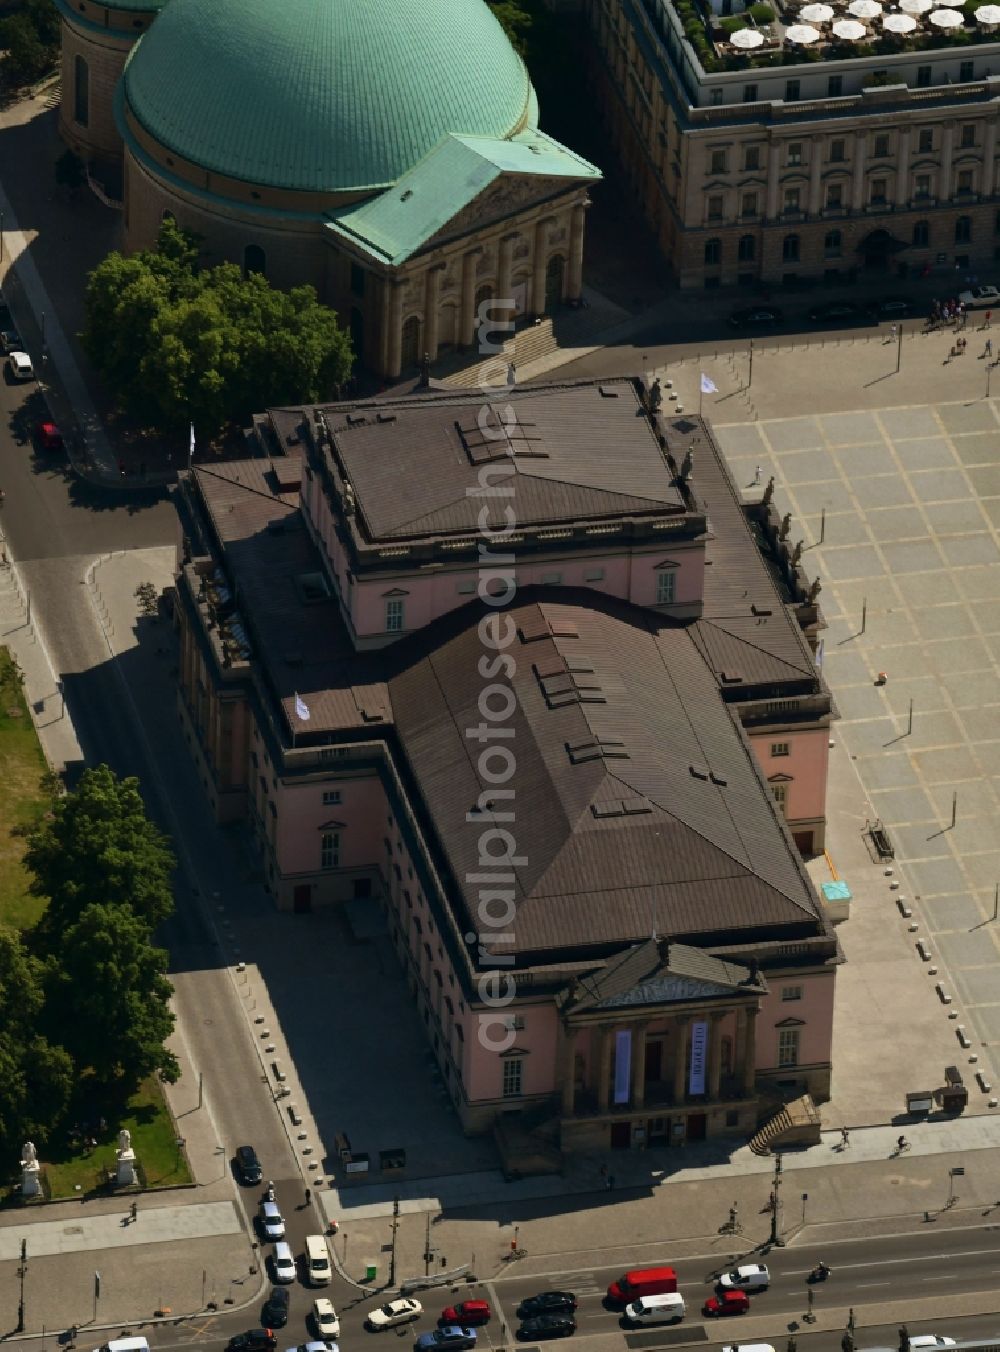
(323, 95)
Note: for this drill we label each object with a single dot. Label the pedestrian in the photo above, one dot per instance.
(309, 1196)
(845, 1138)
(892, 333)
(901, 1145)
(611, 1182)
(988, 349)
(135, 1211)
(989, 316)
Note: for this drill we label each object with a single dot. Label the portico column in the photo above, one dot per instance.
(395, 351)
(989, 157)
(538, 267)
(603, 1067)
(815, 170)
(903, 168)
(574, 282)
(715, 1053)
(639, 1065)
(749, 1052)
(432, 291)
(566, 1068)
(467, 330)
(858, 188)
(680, 1058)
(773, 169)
(504, 263)
(944, 188)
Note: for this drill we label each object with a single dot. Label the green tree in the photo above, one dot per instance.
(109, 993)
(98, 845)
(515, 21)
(177, 343)
(37, 1076)
(27, 55)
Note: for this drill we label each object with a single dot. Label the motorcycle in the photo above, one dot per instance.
(820, 1273)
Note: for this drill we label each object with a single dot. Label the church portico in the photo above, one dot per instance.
(662, 1059)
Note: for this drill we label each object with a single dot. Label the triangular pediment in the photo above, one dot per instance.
(666, 563)
(667, 989)
(779, 779)
(790, 1023)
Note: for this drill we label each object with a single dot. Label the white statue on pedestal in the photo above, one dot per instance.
(124, 1139)
(125, 1176)
(30, 1185)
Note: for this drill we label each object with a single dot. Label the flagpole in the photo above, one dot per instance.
(701, 395)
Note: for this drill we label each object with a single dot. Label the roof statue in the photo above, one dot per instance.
(29, 1155)
(124, 1139)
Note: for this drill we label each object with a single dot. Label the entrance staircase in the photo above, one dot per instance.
(795, 1123)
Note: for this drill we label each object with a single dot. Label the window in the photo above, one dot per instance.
(923, 76)
(751, 158)
(512, 1077)
(968, 135)
(963, 230)
(357, 280)
(331, 797)
(965, 180)
(715, 208)
(254, 260)
(717, 164)
(81, 92)
(551, 579)
(394, 614)
(747, 249)
(593, 575)
(794, 153)
(666, 588)
(922, 185)
(832, 249)
(834, 196)
(715, 95)
(925, 141)
(784, 748)
(921, 234)
(791, 992)
(748, 204)
(792, 88)
(329, 849)
(780, 792)
(837, 151)
(877, 191)
(966, 71)
(790, 249)
(713, 252)
(788, 1046)
(792, 199)
(750, 93)
(835, 86)
(881, 147)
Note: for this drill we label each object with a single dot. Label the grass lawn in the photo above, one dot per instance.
(22, 802)
(154, 1141)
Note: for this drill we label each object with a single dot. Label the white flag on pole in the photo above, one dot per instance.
(820, 648)
(301, 708)
(191, 446)
(708, 385)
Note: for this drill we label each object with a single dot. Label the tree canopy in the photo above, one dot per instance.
(178, 343)
(98, 845)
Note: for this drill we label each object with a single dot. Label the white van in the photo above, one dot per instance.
(124, 1345)
(666, 1309)
(318, 1271)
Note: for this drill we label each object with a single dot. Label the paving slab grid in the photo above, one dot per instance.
(899, 506)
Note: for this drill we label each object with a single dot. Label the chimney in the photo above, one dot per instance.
(754, 973)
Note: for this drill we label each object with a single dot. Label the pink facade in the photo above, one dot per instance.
(797, 760)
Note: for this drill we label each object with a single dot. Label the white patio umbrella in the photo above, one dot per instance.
(849, 30)
(946, 18)
(988, 15)
(801, 34)
(747, 38)
(916, 6)
(899, 23)
(864, 9)
(816, 14)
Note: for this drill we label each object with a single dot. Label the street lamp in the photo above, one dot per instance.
(22, 1272)
(395, 1227)
(775, 1239)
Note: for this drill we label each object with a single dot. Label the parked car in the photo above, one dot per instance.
(650, 1281)
(271, 1220)
(466, 1312)
(402, 1311)
(726, 1303)
(284, 1263)
(980, 298)
(751, 1277)
(444, 1340)
(48, 436)
(547, 1302)
(325, 1318)
(319, 1346)
(748, 1347)
(668, 1308)
(254, 1340)
(889, 307)
(547, 1326)
(923, 1340)
(11, 341)
(275, 1312)
(836, 312)
(20, 367)
(248, 1165)
(756, 316)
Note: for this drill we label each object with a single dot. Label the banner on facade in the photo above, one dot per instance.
(699, 1049)
(623, 1065)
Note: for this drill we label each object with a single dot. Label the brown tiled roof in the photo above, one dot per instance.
(579, 454)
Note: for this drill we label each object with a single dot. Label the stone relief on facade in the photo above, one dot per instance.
(664, 990)
(499, 201)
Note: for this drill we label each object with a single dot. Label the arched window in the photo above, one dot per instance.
(747, 249)
(963, 230)
(713, 252)
(81, 92)
(790, 249)
(254, 260)
(832, 242)
(921, 234)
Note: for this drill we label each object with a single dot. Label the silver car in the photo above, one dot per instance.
(271, 1220)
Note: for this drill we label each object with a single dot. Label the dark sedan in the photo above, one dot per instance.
(890, 307)
(275, 1312)
(254, 1340)
(547, 1302)
(837, 312)
(547, 1326)
(756, 317)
